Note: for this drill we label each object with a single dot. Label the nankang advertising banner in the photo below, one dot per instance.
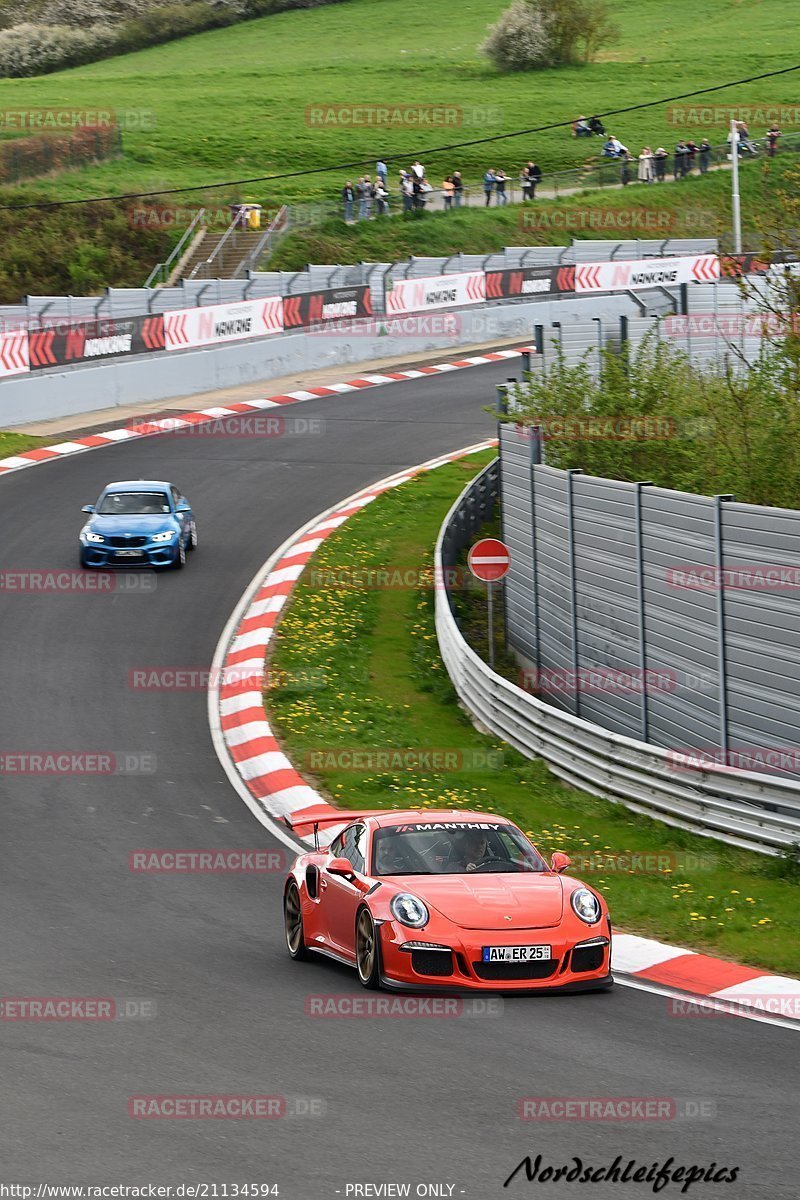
(327, 304)
(436, 291)
(190, 327)
(634, 274)
(522, 281)
(63, 341)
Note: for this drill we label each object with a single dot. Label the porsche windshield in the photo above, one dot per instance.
(452, 848)
(133, 504)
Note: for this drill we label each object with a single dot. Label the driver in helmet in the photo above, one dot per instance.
(475, 849)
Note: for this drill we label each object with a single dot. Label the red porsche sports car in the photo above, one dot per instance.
(415, 900)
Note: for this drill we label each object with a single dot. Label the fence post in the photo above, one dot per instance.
(573, 590)
(722, 665)
(640, 597)
(535, 459)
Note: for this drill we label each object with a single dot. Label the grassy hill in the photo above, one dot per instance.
(232, 103)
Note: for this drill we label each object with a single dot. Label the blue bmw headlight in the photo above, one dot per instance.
(92, 537)
(166, 536)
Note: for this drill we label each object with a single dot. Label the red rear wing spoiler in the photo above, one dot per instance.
(309, 820)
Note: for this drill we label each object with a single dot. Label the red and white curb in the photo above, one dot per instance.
(144, 427)
(695, 984)
(239, 669)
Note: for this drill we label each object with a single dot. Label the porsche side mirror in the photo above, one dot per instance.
(559, 862)
(88, 508)
(339, 866)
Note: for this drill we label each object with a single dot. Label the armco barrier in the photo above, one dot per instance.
(753, 811)
(56, 331)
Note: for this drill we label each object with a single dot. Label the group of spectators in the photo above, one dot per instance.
(368, 196)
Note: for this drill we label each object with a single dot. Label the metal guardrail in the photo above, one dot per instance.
(742, 808)
(161, 271)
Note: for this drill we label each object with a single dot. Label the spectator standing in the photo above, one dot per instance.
(773, 133)
(488, 186)
(535, 177)
(660, 164)
(364, 194)
(645, 172)
(381, 197)
(525, 184)
(381, 172)
(349, 200)
(447, 192)
(418, 190)
(625, 170)
(458, 189)
(704, 156)
(681, 160)
(692, 149)
(417, 170)
(500, 179)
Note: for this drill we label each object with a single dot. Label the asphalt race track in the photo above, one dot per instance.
(406, 1101)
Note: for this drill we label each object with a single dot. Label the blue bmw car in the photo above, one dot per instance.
(138, 523)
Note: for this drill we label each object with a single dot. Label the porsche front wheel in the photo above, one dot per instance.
(368, 951)
(293, 922)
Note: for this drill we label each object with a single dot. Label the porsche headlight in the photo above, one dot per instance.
(586, 905)
(92, 537)
(409, 910)
(166, 536)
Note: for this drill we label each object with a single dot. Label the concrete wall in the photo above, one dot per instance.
(84, 388)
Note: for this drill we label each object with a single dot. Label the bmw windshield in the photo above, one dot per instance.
(453, 848)
(133, 504)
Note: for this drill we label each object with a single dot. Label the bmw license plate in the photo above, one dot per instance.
(514, 954)
(128, 554)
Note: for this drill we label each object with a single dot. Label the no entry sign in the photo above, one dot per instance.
(489, 560)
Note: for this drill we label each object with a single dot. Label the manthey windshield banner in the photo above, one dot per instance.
(634, 274)
(436, 291)
(190, 327)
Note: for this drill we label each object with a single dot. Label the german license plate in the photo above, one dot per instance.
(128, 554)
(513, 954)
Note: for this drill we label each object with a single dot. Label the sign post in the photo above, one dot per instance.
(489, 560)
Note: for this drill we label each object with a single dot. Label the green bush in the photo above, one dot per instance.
(533, 34)
(719, 430)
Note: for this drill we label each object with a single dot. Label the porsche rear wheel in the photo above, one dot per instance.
(368, 951)
(293, 922)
